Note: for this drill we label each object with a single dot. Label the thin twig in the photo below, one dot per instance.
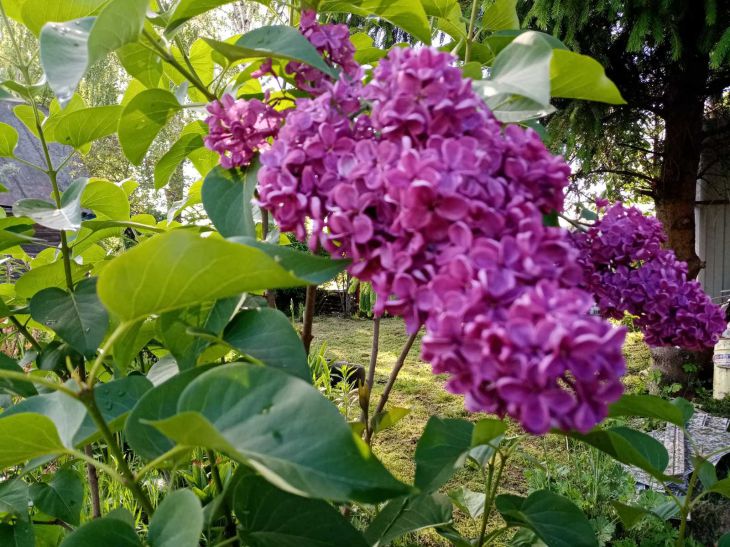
(26, 333)
(391, 381)
(365, 401)
(308, 320)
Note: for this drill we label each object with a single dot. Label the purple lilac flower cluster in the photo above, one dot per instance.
(628, 271)
(239, 129)
(440, 208)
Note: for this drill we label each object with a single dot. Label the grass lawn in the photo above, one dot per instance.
(424, 394)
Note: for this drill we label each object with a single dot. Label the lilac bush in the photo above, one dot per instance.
(628, 271)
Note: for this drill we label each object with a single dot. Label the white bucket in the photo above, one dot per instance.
(721, 361)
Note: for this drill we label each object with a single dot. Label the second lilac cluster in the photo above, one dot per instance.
(628, 271)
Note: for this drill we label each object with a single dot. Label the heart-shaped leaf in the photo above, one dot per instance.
(177, 522)
(62, 497)
(77, 317)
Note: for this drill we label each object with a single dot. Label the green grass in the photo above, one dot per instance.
(425, 395)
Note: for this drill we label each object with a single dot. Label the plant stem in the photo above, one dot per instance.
(87, 397)
(470, 31)
(389, 386)
(309, 303)
(79, 455)
(370, 379)
(685, 508)
(169, 58)
(93, 483)
(26, 333)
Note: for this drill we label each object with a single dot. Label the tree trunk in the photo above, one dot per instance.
(683, 113)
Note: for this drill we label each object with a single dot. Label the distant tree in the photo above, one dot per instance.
(670, 59)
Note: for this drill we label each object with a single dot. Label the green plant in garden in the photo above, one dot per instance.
(153, 365)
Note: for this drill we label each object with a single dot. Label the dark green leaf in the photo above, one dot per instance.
(706, 471)
(158, 403)
(269, 517)
(278, 41)
(14, 498)
(68, 217)
(62, 497)
(648, 406)
(14, 387)
(184, 269)
(724, 541)
(721, 487)
(441, 450)
(252, 332)
(403, 515)
(142, 119)
(227, 195)
(68, 49)
(629, 447)
(77, 317)
(177, 522)
(630, 515)
(19, 534)
(104, 531)
(555, 519)
(267, 419)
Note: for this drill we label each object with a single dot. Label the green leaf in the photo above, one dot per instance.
(488, 434)
(269, 517)
(73, 426)
(501, 15)
(267, 419)
(158, 403)
(630, 515)
(48, 275)
(406, 14)
(389, 418)
(80, 127)
(62, 497)
(184, 269)
(629, 447)
(448, 16)
(555, 519)
(8, 140)
(705, 471)
(106, 199)
(68, 217)
(36, 13)
(409, 514)
(77, 317)
(721, 487)
(14, 387)
(177, 522)
(68, 49)
(27, 436)
(181, 149)
(142, 119)
(441, 450)
(14, 498)
(100, 532)
(648, 406)
(724, 541)
(141, 63)
(26, 115)
(227, 195)
(576, 76)
(471, 503)
(277, 41)
(522, 68)
(187, 9)
(20, 534)
(252, 331)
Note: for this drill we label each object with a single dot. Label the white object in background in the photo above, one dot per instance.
(721, 361)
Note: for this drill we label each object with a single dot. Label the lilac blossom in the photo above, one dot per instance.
(628, 271)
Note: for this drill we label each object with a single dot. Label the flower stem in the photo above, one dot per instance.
(365, 400)
(389, 386)
(470, 32)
